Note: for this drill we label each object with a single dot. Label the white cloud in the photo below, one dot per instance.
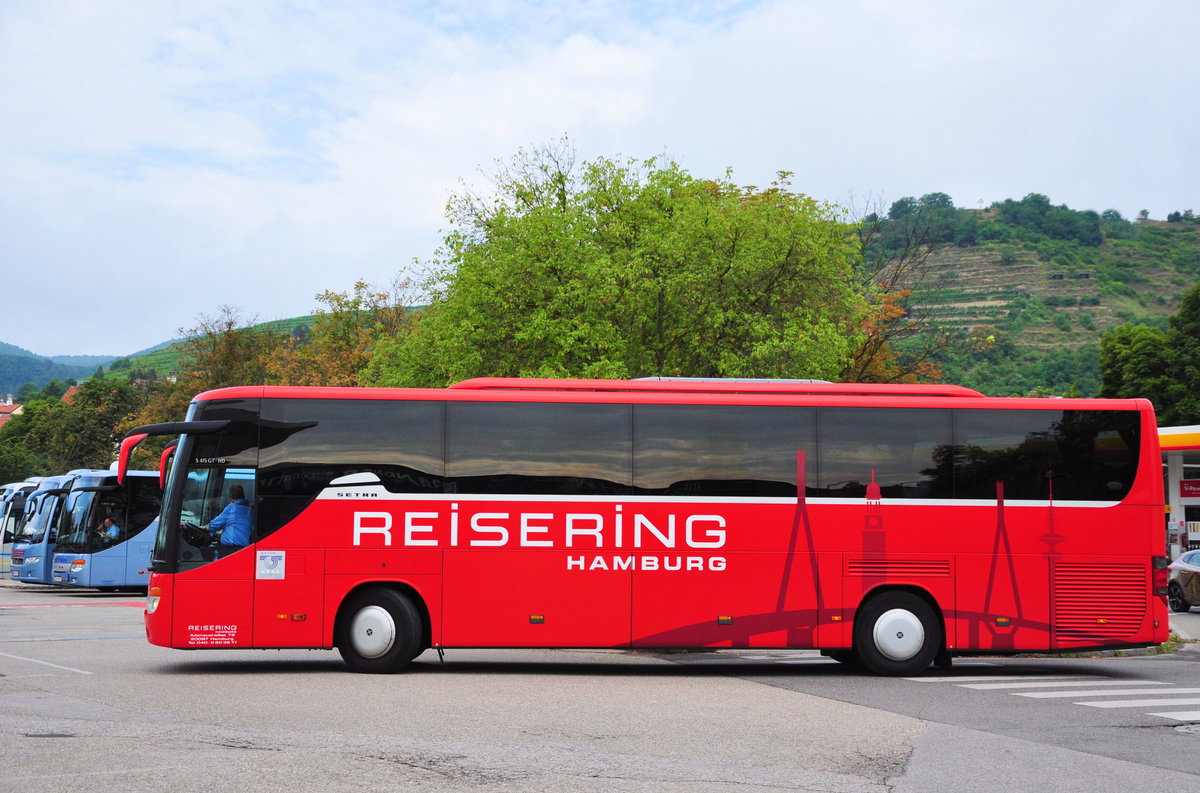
(161, 157)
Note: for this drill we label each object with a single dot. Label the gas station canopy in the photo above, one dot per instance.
(1181, 451)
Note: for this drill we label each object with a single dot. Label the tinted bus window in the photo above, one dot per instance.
(307, 443)
(538, 448)
(906, 450)
(700, 450)
(1090, 455)
(143, 500)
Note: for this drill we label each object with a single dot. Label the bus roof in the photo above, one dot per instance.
(718, 385)
(499, 389)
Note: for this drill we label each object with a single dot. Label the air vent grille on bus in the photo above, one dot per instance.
(925, 568)
(1097, 603)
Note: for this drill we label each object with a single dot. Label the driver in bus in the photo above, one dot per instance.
(108, 531)
(232, 526)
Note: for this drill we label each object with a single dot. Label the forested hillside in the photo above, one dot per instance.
(17, 370)
(1016, 297)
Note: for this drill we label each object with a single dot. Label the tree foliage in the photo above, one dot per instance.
(1164, 366)
(341, 341)
(627, 269)
(901, 343)
(1035, 213)
(51, 436)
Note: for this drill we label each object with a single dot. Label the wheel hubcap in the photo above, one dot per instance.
(899, 634)
(372, 632)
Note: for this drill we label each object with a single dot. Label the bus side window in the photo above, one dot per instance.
(144, 501)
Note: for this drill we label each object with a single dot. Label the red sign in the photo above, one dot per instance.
(1189, 488)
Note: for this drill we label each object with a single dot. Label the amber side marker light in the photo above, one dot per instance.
(1003, 622)
(537, 619)
(724, 620)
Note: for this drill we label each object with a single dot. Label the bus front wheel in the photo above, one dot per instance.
(897, 633)
(378, 631)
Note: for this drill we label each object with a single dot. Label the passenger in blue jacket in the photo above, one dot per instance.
(232, 526)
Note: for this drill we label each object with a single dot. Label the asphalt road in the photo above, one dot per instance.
(87, 704)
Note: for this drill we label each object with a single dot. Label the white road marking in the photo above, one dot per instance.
(45, 663)
(1142, 703)
(1056, 684)
(1183, 715)
(1124, 692)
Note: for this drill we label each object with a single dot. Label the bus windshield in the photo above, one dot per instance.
(73, 526)
(40, 515)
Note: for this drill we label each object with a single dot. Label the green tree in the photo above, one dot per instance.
(627, 269)
(55, 389)
(901, 343)
(1163, 366)
(52, 437)
(341, 341)
(1136, 361)
(222, 350)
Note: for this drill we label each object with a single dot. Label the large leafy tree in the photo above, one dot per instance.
(52, 436)
(1163, 366)
(224, 349)
(341, 341)
(627, 269)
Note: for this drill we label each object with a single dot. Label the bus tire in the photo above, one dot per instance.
(897, 633)
(378, 631)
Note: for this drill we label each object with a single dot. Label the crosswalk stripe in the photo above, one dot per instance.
(1183, 715)
(1124, 692)
(1054, 684)
(1142, 703)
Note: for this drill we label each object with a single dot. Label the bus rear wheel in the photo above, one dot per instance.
(378, 631)
(897, 633)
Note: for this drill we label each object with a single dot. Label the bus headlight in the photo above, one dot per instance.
(32, 559)
(77, 565)
(153, 596)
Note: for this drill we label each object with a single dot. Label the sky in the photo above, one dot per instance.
(160, 160)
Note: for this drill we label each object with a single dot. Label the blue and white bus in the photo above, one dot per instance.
(12, 507)
(33, 546)
(106, 531)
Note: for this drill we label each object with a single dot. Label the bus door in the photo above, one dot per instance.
(143, 499)
(214, 590)
(108, 560)
(289, 588)
(288, 579)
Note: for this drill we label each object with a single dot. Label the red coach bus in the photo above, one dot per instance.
(894, 526)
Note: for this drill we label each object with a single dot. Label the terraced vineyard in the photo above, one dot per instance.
(1041, 302)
